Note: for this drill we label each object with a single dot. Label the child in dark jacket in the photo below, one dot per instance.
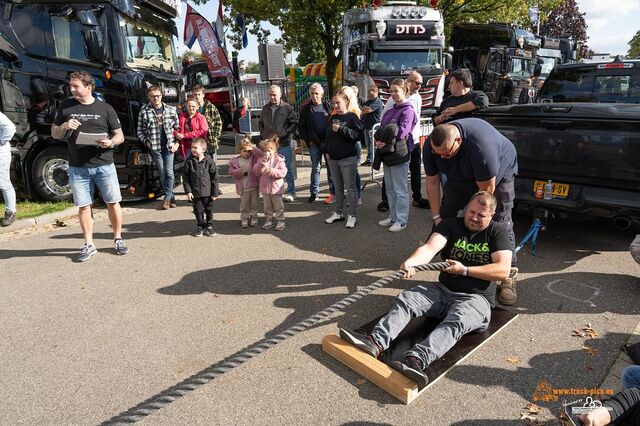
(201, 186)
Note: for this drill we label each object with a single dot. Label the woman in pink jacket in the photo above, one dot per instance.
(192, 125)
(272, 169)
(241, 168)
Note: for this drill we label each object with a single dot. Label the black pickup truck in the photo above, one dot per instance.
(584, 136)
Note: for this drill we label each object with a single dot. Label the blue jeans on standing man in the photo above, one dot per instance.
(8, 193)
(164, 164)
(287, 153)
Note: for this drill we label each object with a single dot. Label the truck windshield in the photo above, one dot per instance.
(147, 46)
(385, 60)
(520, 67)
(547, 65)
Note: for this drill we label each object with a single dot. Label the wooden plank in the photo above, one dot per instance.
(370, 368)
(379, 373)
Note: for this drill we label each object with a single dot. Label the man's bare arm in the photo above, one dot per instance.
(487, 185)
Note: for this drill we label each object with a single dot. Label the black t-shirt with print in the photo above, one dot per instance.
(471, 249)
(98, 117)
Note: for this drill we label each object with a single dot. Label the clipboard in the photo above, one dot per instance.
(90, 139)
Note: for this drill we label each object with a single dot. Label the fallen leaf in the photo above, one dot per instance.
(577, 333)
(606, 317)
(528, 416)
(590, 350)
(590, 331)
(361, 382)
(533, 408)
(59, 223)
(588, 367)
(513, 359)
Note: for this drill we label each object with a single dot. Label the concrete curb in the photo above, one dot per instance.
(613, 379)
(40, 220)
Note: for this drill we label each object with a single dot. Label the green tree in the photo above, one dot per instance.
(567, 21)
(634, 46)
(252, 68)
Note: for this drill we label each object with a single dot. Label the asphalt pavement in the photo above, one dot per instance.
(163, 334)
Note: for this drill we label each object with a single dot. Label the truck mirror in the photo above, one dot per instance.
(94, 42)
(448, 61)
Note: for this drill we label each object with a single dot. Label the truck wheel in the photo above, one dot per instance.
(51, 174)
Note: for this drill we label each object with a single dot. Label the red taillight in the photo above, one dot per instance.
(615, 65)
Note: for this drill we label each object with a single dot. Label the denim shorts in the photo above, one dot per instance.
(104, 177)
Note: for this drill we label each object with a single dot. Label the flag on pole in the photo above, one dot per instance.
(189, 34)
(219, 26)
(216, 59)
(243, 30)
(533, 15)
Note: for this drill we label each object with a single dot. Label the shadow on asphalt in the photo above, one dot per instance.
(546, 372)
(366, 390)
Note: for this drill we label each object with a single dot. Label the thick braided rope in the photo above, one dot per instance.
(179, 390)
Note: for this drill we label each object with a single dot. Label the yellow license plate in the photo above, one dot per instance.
(560, 190)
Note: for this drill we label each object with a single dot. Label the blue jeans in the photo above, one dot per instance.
(164, 164)
(358, 179)
(316, 165)
(395, 181)
(631, 376)
(462, 313)
(368, 142)
(82, 180)
(343, 173)
(8, 193)
(287, 153)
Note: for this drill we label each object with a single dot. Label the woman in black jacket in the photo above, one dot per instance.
(343, 133)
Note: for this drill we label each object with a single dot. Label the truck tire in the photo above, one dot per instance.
(50, 174)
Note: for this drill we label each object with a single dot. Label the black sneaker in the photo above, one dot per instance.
(199, 232)
(9, 218)
(383, 206)
(411, 367)
(209, 231)
(421, 203)
(86, 251)
(360, 341)
(120, 246)
(312, 198)
(366, 163)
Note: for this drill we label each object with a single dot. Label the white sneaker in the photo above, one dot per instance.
(397, 227)
(335, 217)
(386, 222)
(289, 198)
(351, 222)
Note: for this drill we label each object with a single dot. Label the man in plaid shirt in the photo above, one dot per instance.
(156, 123)
(214, 121)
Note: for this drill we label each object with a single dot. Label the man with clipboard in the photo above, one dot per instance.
(91, 129)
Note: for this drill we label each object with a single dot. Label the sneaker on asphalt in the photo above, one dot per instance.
(383, 206)
(86, 251)
(386, 222)
(166, 205)
(361, 341)
(366, 163)
(209, 231)
(351, 222)
(254, 222)
(312, 198)
(120, 246)
(508, 295)
(330, 199)
(335, 217)
(397, 227)
(411, 367)
(199, 232)
(280, 226)
(359, 201)
(289, 198)
(421, 203)
(268, 225)
(172, 203)
(9, 218)
(244, 223)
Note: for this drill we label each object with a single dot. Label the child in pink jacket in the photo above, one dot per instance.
(241, 167)
(272, 169)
